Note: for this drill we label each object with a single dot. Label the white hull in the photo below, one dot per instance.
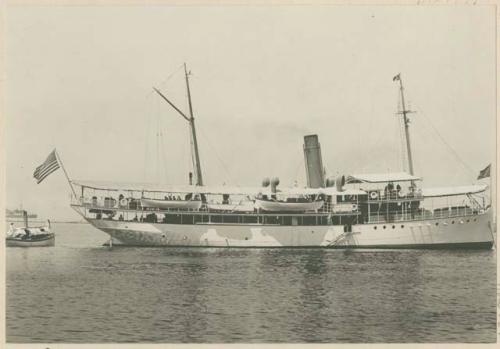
(416, 234)
(30, 243)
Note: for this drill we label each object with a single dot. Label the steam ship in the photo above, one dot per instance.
(17, 214)
(387, 210)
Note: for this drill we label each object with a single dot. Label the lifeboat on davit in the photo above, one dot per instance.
(287, 206)
(171, 204)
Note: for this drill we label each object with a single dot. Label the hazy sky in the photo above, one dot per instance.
(79, 79)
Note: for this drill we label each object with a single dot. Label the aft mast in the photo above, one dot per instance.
(406, 121)
(194, 142)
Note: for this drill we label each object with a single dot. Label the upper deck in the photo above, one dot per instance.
(238, 205)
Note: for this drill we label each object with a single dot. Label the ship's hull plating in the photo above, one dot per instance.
(456, 232)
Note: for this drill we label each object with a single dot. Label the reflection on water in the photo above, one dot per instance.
(79, 291)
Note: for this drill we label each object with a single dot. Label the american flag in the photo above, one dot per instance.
(50, 165)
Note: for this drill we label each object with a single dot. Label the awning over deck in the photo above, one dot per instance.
(451, 191)
(381, 177)
(221, 189)
(167, 188)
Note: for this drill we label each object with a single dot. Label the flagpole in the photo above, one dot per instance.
(65, 173)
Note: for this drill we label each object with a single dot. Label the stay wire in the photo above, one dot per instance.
(223, 165)
(450, 148)
(162, 84)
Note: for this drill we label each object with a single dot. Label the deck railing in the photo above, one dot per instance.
(424, 214)
(374, 217)
(381, 195)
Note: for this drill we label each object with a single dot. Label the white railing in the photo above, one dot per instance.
(423, 215)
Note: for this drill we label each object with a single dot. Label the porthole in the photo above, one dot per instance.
(384, 226)
(246, 238)
(393, 227)
(437, 223)
(375, 227)
(402, 226)
(452, 222)
(475, 219)
(468, 220)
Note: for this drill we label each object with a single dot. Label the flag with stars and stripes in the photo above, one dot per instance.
(50, 165)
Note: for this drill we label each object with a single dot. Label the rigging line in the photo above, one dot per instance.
(171, 75)
(369, 138)
(166, 80)
(446, 143)
(456, 163)
(146, 145)
(158, 167)
(395, 143)
(228, 175)
(164, 152)
(417, 160)
(300, 163)
(402, 139)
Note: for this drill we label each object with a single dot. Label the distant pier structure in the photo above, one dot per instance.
(314, 163)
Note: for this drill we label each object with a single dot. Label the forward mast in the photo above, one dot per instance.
(195, 153)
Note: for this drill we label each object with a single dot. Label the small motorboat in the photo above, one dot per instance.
(171, 204)
(30, 237)
(287, 206)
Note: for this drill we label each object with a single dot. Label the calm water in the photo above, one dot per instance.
(79, 291)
